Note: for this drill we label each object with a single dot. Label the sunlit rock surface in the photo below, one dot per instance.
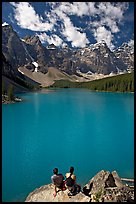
(103, 187)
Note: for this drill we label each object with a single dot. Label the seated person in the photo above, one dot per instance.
(71, 184)
(58, 181)
(70, 173)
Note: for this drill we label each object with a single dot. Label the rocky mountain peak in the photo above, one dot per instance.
(126, 53)
(125, 47)
(7, 30)
(94, 58)
(32, 40)
(101, 43)
(51, 46)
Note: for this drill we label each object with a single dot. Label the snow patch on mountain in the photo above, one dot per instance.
(36, 66)
(89, 72)
(22, 40)
(5, 24)
(106, 55)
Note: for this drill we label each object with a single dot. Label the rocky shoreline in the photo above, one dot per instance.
(103, 187)
(5, 100)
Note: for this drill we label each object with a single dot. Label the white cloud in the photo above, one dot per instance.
(56, 40)
(102, 34)
(68, 30)
(106, 8)
(110, 23)
(72, 9)
(27, 18)
(92, 9)
(75, 8)
(110, 15)
(105, 18)
(114, 11)
(76, 38)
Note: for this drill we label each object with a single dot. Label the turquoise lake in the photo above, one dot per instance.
(61, 128)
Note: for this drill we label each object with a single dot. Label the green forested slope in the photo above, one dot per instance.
(121, 83)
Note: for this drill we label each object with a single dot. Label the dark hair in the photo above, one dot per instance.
(55, 170)
(71, 169)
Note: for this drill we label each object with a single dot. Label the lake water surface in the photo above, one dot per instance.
(66, 127)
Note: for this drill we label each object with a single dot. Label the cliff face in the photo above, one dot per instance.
(13, 49)
(95, 58)
(84, 64)
(103, 187)
(126, 53)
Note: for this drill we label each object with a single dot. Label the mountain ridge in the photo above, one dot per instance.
(83, 63)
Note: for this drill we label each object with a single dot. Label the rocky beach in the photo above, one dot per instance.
(5, 100)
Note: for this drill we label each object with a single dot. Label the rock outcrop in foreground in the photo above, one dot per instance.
(103, 187)
(5, 99)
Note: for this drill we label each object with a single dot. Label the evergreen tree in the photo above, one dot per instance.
(3, 87)
(122, 83)
(10, 93)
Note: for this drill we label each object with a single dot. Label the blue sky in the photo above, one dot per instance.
(76, 24)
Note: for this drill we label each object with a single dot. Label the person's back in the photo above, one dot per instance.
(70, 174)
(57, 179)
(71, 184)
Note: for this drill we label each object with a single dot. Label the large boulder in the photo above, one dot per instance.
(45, 194)
(103, 187)
(106, 186)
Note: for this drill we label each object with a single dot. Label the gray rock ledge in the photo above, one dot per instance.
(103, 187)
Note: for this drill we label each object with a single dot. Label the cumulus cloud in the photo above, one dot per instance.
(102, 34)
(110, 23)
(27, 18)
(103, 21)
(114, 11)
(110, 15)
(68, 30)
(75, 8)
(55, 39)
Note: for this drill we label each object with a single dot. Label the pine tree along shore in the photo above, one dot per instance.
(9, 97)
(119, 83)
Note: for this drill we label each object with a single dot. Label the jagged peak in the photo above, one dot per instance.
(98, 45)
(27, 37)
(101, 42)
(32, 39)
(51, 46)
(125, 46)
